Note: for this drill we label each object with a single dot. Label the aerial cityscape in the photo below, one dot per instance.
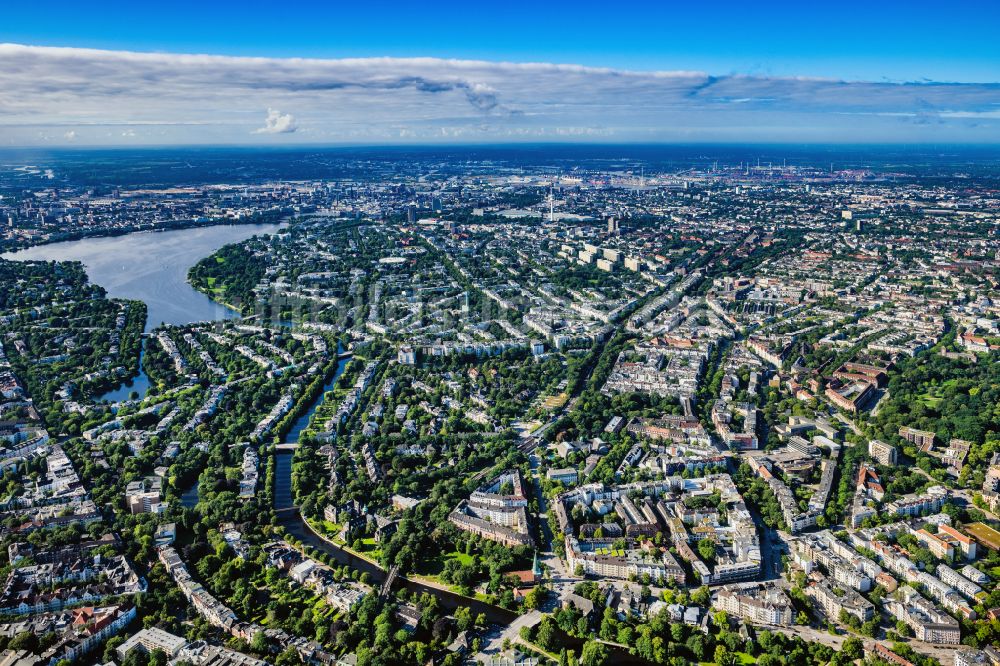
(464, 375)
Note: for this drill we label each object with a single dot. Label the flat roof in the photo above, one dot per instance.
(984, 534)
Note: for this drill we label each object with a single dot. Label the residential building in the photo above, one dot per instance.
(834, 599)
(922, 438)
(152, 639)
(760, 604)
(884, 453)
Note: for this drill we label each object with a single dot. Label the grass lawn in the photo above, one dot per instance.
(332, 532)
(436, 580)
(368, 547)
(929, 400)
(463, 559)
(741, 658)
(432, 567)
(555, 401)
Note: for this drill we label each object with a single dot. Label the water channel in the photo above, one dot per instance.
(153, 267)
(294, 525)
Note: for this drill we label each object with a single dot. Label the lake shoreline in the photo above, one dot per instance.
(117, 233)
(153, 267)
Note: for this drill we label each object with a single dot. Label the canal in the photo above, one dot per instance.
(301, 423)
(152, 267)
(140, 383)
(293, 523)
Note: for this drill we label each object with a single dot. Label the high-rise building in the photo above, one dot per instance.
(882, 452)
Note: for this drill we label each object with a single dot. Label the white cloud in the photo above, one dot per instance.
(70, 135)
(277, 123)
(217, 99)
(971, 114)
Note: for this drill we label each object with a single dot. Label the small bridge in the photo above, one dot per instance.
(389, 580)
(286, 446)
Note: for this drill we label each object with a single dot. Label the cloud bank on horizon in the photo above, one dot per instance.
(55, 96)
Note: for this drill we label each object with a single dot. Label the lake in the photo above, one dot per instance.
(152, 267)
(140, 384)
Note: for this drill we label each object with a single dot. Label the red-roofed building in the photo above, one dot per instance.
(884, 653)
(965, 543)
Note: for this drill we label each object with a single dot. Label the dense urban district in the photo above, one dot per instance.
(724, 415)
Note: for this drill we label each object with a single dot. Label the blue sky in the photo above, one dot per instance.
(756, 50)
(955, 41)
